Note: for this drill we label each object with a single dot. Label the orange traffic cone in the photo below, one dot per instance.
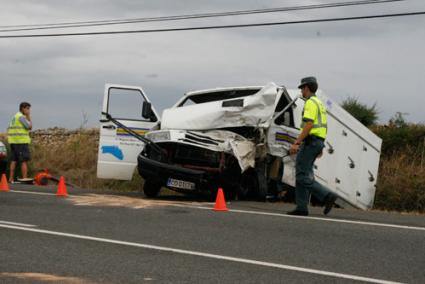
(220, 203)
(4, 186)
(62, 188)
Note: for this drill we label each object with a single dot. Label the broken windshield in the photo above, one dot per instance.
(218, 96)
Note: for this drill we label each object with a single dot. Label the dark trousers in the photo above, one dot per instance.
(305, 182)
(3, 166)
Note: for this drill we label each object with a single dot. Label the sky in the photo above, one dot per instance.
(378, 61)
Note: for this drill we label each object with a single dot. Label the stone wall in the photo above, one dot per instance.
(56, 136)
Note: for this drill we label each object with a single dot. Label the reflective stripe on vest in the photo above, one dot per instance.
(319, 117)
(319, 128)
(16, 132)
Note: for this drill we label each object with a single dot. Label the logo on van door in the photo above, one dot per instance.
(114, 151)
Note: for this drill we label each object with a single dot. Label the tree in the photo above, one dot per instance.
(368, 116)
(398, 120)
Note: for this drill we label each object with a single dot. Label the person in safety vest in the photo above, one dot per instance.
(19, 139)
(309, 146)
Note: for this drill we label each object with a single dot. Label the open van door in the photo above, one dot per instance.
(118, 149)
(283, 132)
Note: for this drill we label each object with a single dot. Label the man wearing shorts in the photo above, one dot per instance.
(19, 140)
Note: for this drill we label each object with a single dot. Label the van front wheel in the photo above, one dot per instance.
(151, 188)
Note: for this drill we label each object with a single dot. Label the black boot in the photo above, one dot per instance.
(297, 212)
(329, 203)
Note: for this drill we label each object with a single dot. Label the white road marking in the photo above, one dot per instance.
(315, 218)
(31, 192)
(281, 215)
(16, 224)
(207, 255)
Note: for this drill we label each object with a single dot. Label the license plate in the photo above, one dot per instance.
(180, 184)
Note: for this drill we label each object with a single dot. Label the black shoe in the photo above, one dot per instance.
(297, 213)
(329, 203)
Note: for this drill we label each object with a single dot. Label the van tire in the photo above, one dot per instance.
(248, 184)
(262, 179)
(151, 188)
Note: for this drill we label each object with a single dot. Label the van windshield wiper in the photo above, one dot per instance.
(136, 135)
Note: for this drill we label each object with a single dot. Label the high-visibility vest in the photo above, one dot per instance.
(16, 132)
(315, 110)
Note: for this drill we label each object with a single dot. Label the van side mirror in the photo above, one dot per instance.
(147, 111)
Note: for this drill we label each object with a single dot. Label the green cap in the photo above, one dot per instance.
(307, 80)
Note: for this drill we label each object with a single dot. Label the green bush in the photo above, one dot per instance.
(366, 115)
(396, 139)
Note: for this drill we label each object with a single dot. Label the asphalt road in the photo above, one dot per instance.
(93, 237)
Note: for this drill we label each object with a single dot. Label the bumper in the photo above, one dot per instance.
(162, 172)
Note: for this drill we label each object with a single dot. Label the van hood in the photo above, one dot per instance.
(256, 111)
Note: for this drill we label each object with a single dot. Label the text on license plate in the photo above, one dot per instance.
(180, 184)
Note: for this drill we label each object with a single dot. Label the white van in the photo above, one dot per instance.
(235, 138)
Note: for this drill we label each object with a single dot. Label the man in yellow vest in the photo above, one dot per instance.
(309, 146)
(19, 139)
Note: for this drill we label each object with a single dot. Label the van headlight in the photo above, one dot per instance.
(158, 136)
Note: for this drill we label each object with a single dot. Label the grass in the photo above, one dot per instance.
(401, 184)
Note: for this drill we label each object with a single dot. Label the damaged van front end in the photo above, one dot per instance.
(209, 144)
(195, 161)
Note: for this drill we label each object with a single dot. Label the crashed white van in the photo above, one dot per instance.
(235, 138)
